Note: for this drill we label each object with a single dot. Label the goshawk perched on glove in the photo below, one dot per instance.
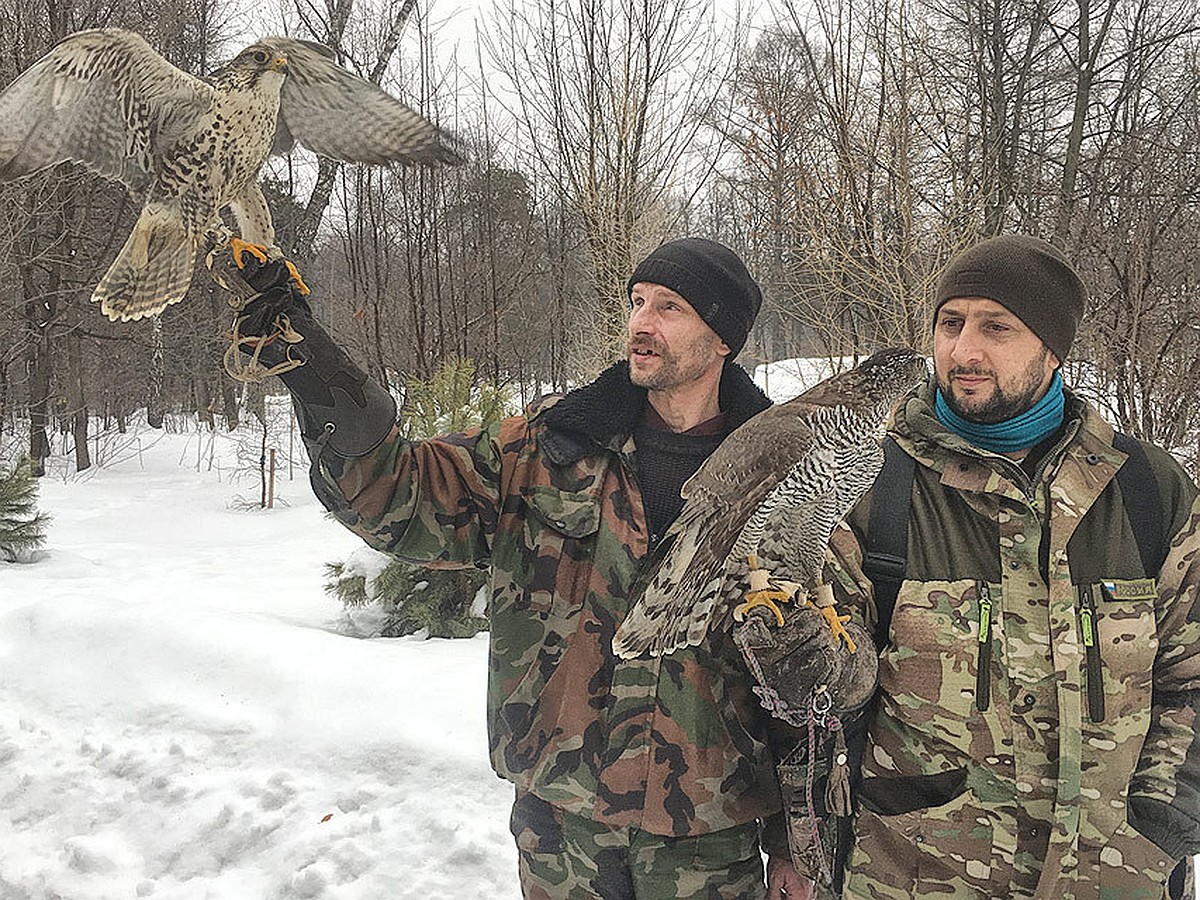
(759, 512)
(187, 147)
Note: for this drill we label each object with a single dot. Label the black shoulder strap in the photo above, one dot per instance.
(885, 555)
(1143, 503)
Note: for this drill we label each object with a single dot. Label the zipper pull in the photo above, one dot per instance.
(983, 665)
(1091, 646)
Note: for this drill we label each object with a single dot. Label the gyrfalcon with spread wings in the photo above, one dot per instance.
(758, 514)
(187, 147)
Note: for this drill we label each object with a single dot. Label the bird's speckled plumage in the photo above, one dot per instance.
(187, 147)
(776, 487)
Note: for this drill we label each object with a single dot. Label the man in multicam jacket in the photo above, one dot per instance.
(1050, 751)
(646, 778)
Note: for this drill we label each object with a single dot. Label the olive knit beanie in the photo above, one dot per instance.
(712, 278)
(1026, 275)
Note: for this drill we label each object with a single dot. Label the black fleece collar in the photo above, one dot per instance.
(603, 413)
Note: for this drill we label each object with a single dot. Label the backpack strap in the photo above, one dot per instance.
(885, 555)
(1143, 503)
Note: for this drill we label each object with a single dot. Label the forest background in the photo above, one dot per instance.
(845, 149)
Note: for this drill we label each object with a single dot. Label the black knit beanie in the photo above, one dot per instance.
(712, 278)
(1026, 275)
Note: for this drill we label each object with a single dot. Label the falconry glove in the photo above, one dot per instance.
(341, 410)
(801, 661)
(811, 679)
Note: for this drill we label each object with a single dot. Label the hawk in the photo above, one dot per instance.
(759, 512)
(187, 147)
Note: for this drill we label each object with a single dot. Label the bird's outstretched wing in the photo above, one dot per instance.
(103, 98)
(333, 112)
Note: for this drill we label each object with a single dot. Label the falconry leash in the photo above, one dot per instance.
(242, 357)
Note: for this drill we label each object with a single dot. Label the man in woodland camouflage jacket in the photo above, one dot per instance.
(1051, 751)
(649, 777)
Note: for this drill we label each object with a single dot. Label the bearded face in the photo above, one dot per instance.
(989, 365)
(669, 344)
(1010, 395)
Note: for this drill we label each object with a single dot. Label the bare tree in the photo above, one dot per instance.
(610, 101)
(1135, 231)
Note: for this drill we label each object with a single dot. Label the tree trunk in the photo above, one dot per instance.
(78, 402)
(3, 397)
(39, 310)
(203, 399)
(155, 410)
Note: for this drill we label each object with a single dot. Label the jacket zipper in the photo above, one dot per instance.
(1091, 644)
(983, 665)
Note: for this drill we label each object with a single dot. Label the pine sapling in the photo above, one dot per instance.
(22, 527)
(409, 598)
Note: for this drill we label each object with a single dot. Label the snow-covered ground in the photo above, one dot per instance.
(181, 718)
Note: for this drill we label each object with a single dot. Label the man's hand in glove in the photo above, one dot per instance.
(341, 410)
(262, 330)
(801, 657)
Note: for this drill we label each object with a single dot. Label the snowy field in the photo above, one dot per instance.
(181, 718)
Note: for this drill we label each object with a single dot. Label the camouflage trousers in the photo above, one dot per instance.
(568, 857)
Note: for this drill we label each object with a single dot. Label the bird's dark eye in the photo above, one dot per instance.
(261, 56)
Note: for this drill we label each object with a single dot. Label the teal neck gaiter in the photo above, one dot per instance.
(1018, 433)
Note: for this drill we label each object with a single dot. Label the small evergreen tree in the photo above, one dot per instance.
(407, 599)
(410, 598)
(22, 527)
(450, 401)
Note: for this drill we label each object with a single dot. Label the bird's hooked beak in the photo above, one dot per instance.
(279, 64)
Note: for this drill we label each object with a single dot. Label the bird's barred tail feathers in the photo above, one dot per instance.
(153, 269)
(656, 623)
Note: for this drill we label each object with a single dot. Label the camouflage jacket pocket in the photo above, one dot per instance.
(1127, 630)
(909, 793)
(1119, 634)
(536, 825)
(559, 535)
(574, 514)
(936, 654)
(943, 850)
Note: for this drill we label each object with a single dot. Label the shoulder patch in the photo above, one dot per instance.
(1134, 589)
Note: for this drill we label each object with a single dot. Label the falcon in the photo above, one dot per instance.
(759, 512)
(187, 147)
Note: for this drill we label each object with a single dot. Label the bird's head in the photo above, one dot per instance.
(875, 384)
(258, 63)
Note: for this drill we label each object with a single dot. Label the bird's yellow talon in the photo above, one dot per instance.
(237, 247)
(837, 626)
(763, 592)
(762, 598)
(296, 279)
